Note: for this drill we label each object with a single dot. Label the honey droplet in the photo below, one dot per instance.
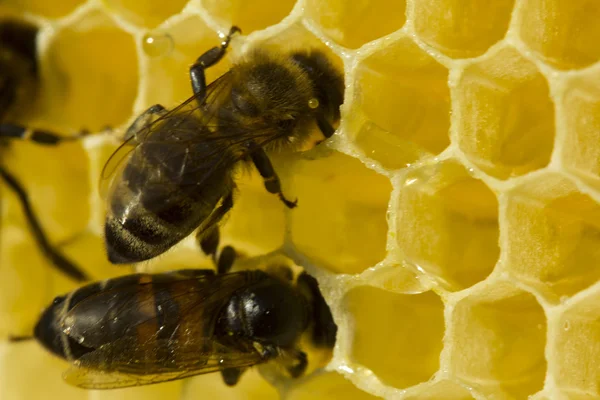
(157, 44)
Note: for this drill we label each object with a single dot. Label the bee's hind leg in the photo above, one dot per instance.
(231, 376)
(265, 168)
(209, 237)
(58, 260)
(206, 60)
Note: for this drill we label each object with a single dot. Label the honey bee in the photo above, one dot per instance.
(19, 82)
(144, 329)
(174, 173)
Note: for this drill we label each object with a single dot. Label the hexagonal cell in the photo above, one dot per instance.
(581, 109)
(445, 389)
(402, 108)
(147, 13)
(447, 224)
(325, 386)
(30, 372)
(248, 15)
(391, 327)
(250, 387)
(340, 221)
(89, 75)
(167, 76)
(496, 341)
(503, 115)
(574, 347)
(552, 236)
(459, 28)
(564, 34)
(49, 9)
(354, 24)
(256, 223)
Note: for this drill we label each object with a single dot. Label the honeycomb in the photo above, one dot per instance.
(453, 221)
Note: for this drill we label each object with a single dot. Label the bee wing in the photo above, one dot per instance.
(144, 128)
(125, 362)
(159, 304)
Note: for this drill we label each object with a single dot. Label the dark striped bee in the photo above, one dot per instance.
(143, 329)
(19, 82)
(174, 173)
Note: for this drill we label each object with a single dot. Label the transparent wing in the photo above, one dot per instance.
(167, 129)
(125, 362)
(156, 304)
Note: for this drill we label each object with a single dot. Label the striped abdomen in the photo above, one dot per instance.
(167, 190)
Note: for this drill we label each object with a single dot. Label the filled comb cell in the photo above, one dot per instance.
(563, 34)
(573, 347)
(496, 341)
(459, 28)
(444, 389)
(167, 77)
(325, 386)
(91, 80)
(447, 224)
(389, 327)
(580, 106)
(354, 24)
(250, 387)
(503, 116)
(147, 13)
(340, 221)
(552, 236)
(249, 15)
(43, 8)
(401, 110)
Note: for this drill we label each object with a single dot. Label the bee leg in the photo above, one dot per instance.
(206, 60)
(231, 376)
(17, 339)
(226, 260)
(326, 128)
(324, 330)
(150, 115)
(209, 237)
(59, 261)
(265, 168)
(10, 131)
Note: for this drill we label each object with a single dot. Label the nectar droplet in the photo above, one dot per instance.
(157, 44)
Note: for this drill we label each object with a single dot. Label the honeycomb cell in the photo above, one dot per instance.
(564, 34)
(402, 106)
(391, 327)
(340, 221)
(459, 28)
(354, 24)
(91, 75)
(29, 372)
(447, 224)
(49, 9)
(552, 236)
(167, 77)
(171, 390)
(503, 115)
(445, 389)
(147, 13)
(496, 341)
(574, 347)
(256, 224)
(248, 15)
(250, 387)
(325, 386)
(581, 109)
